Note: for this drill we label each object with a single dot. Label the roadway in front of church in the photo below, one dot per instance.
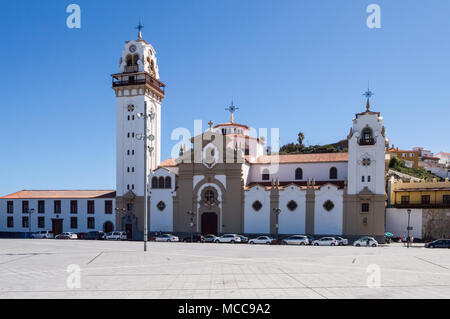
(103, 269)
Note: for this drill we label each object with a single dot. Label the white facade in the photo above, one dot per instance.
(292, 221)
(286, 172)
(99, 215)
(328, 222)
(161, 202)
(397, 222)
(257, 221)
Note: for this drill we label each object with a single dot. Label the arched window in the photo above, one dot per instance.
(366, 137)
(152, 65)
(135, 59)
(298, 174)
(154, 182)
(161, 182)
(210, 195)
(129, 60)
(333, 173)
(168, 182)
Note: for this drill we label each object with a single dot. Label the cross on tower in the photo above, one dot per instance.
(140, 27)
(232, 109)
(368, 94)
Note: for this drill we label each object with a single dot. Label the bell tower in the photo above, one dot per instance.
(138, 90)
(364, 198)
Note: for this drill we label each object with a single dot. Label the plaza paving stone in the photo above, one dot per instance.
(38, 269)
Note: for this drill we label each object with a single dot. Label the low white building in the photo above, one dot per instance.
(76, 211)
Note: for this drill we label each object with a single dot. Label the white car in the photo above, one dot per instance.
(326, 241)
(265, 240)
(167, 238)
(116, 235)
(228, 238)
(297, 240)
(341, 241)
(70, 235)
(43, 234)
(366, 242)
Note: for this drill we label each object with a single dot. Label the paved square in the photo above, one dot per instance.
(38, 269)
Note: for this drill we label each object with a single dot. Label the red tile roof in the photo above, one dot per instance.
(168, 163)
(42, 194)
(302, 158)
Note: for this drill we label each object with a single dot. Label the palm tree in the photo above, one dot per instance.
(301, 138)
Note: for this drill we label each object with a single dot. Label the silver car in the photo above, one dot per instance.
(167, 238)
(228, 238)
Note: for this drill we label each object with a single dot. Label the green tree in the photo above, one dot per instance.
(301, 138)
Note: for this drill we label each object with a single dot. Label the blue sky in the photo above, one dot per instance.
(297, 65)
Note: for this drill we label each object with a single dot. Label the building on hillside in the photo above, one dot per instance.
(411, 158)
(429, 203)
(423, 152)
(444, 158)
(79, 211)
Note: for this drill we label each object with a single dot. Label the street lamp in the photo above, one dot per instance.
(192, 215)
(277, 212)
(409, 218)
(146, 137)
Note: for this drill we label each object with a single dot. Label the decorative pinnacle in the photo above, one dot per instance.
(232, 109)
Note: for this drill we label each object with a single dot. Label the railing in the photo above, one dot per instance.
(148, 80)
(132, 68)
(367, 141)
(422, 205)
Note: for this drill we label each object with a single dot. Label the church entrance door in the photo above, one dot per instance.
(129, 230)
(209, 224)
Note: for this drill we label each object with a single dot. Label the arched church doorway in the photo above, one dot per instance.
(108, 227)
(129, 231)
(210, 224)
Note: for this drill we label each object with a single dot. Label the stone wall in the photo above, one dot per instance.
(436, 223)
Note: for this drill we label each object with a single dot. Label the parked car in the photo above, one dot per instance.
(210, 238)
(93, 235)
(278, 242)
(244, 239)
(366, 241)
(167, 238)
(297, 240)
(62, 236)
(265, 240)
(116, 235)
(440, 243)
(194, 239)
(81, 235)
(326, 241)
(43, 234)
(341, 241)
(71, 235)
(228, 238)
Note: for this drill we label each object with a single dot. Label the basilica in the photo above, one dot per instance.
(227, 182)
